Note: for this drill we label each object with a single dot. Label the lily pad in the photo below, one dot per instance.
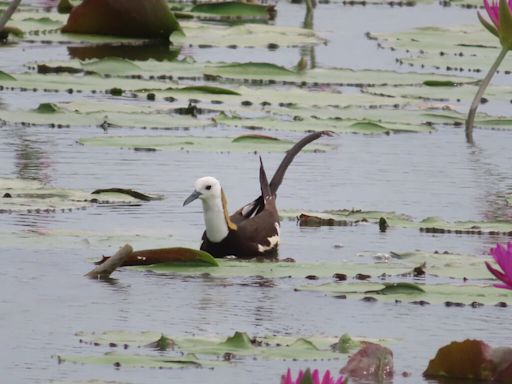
(428, 225)
(202, 144)
(29, 195)
(233, 8)
(170, 255)
(468, 48)
(465, 294)
(240, 344)
(437, 264)
(118, 359)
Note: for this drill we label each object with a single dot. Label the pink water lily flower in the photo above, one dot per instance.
(493, 10)
(503, 256)
(309, 377)
(499, 12)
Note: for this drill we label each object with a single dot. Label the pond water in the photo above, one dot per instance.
(44, 299)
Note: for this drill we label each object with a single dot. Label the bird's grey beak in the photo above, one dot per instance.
(194, 195)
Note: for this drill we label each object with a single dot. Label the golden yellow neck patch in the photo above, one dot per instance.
(230, 224)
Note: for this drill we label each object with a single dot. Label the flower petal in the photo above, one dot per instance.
(491, 28)
(327, 379)
(504, 258)
(493, 12)
(287, 379)
(316, 377)
(502, 286)
(500, 276)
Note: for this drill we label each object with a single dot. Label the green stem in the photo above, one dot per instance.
(476, 101)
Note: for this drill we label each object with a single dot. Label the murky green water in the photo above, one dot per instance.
(44, 299)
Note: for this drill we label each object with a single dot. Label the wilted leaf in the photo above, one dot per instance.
(469, 359)
(147, 19)
(170, 255)
(371, 362)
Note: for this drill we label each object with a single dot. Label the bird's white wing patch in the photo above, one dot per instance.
(272, 240)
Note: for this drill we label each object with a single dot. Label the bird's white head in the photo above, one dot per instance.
(207, 189)
(216, 216)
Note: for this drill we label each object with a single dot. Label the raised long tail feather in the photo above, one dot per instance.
(290, 155)
(256, 206)
(265, 187)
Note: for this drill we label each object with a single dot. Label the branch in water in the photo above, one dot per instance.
(105, 269)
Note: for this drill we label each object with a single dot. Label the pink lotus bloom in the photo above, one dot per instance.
(503, 256)
(309, 377)
(493, 10)
(502, 20)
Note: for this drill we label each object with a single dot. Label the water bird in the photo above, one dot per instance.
(253, 230)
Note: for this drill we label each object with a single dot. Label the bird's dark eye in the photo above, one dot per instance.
(208, 187)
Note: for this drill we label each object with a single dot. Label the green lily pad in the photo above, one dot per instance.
(432, 293)
(110, 65)
(429, 224)
(30, 195)
(350, 217)
(244, 35)
(240, 344)
(118, 359)
(232, 8)
(208, 90)
(436, 264)
(399, 289)
(6, 76)
(311, 124)
(467, 47)
(202, 144)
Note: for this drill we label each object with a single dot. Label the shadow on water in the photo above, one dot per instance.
(152, 51)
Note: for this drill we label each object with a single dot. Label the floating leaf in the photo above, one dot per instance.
(346, 343)
(240, 340)
(399, 289)
(47, 108)
(6, 76)
(439, 83)
(130, 192)
(202, 144)
(209, 89)
(171, 255)
(233, 8)
(465, 294)
(118, 359)
(111, 65)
